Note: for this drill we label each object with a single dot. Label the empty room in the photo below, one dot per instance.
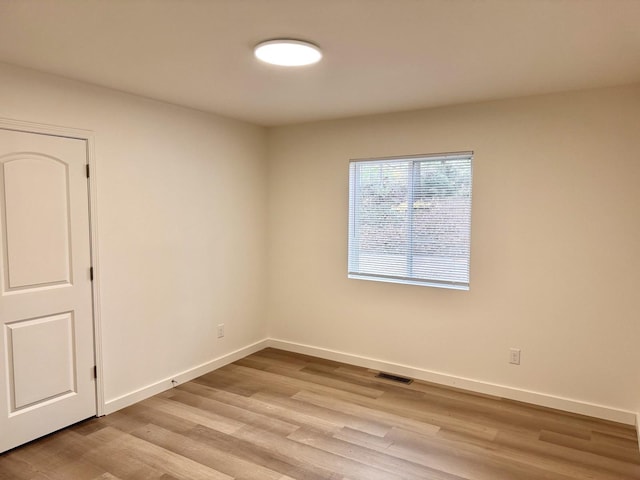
(319, 239)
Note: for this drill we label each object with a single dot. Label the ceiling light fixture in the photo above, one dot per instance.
(287, 53)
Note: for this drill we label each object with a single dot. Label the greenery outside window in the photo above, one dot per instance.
(410, 219)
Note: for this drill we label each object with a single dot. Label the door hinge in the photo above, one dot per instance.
(87, 166)
(91, 273)
(95, 371)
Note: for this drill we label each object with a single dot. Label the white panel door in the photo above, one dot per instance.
(46, 317)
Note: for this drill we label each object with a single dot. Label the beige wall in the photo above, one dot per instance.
(555, 262)
(186, 240)
(181, 220)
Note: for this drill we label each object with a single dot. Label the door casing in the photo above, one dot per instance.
(88, 136)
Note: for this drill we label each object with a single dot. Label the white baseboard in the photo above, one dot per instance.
(527, 396)
(535, 398)
(182, 377)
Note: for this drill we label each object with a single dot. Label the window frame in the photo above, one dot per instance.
(352, 249)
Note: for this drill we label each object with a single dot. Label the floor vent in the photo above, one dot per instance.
(394, 378)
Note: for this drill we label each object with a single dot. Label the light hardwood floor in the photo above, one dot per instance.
(278, 416)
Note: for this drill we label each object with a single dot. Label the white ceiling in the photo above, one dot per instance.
(380, 55)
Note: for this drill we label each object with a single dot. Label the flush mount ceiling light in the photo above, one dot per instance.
(287, 53)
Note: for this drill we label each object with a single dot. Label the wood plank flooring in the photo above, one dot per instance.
(280, 416)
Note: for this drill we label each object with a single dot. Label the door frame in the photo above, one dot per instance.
(88, 136)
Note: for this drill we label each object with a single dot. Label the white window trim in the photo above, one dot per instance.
(352, 251)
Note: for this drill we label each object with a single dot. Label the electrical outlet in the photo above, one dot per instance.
(221, 330)
(514, 356)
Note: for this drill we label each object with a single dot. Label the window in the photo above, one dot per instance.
(410, 220)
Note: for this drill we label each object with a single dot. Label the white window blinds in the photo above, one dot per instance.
(410, 220)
